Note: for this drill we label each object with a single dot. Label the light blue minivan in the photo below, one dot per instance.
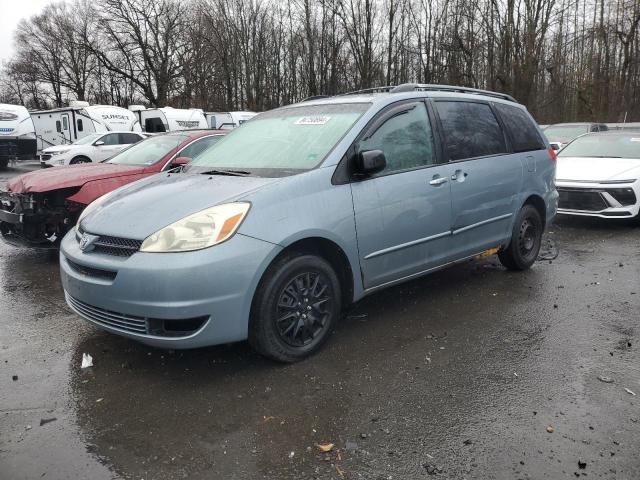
(272, 231)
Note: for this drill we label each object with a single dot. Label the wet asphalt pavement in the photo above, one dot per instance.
(462, 374)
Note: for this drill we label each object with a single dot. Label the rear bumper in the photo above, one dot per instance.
(603, 200)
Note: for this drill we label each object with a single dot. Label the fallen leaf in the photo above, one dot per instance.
(629, 392)
(340, 472)
(550, 429)
(325, 447)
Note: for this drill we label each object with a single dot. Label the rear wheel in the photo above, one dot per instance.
(295, 307)
(526, 239)
(79, 159)
(4, 163)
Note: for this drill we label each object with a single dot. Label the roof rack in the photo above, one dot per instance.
(422, 87)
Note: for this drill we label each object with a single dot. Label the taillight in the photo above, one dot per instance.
(552, 154)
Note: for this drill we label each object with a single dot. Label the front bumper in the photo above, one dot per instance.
(26, 221)
(209, 290)
(604, 200)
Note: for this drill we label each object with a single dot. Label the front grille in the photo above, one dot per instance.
(92, 272)
(120, 247)
(134, 324)
(119, 321)
(576, 199)
(116, 246)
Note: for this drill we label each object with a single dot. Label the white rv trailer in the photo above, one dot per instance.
(17, 135)
(68, 124)
(169, 119)
(227, 120)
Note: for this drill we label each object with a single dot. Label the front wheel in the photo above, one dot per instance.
(295, 307)
(78, 160)
(526, 239)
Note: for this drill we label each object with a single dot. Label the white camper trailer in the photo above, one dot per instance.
(227, 120)
(17, 135)
(168, 119)
(66, 125)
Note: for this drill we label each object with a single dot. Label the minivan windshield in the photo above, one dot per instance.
(280, 142)
(604, 146)
(149, 151)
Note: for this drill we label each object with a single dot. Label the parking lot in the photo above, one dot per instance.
(472, 372)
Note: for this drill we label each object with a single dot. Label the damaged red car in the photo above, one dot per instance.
(39, 208)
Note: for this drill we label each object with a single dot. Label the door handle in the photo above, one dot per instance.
(438, 180)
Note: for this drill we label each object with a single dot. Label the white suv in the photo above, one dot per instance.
(92, 148)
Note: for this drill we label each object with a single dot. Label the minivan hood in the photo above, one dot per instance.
(69, 176)
(597, 169)
(142, 208)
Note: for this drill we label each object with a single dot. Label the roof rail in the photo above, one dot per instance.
(315, 97)
(383, 89)
(410, 87)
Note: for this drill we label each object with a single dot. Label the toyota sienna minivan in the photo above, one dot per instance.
(272, 231)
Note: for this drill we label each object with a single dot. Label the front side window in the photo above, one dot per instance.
(88, 139)
(405, 139)
(281, 142)
(148, 151)
(470, 130)
(524, 135)
(110, 139)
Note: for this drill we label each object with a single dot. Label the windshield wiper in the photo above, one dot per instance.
(603, 156)
(234, 173)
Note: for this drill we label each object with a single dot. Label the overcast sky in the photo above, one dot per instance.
(11, 12)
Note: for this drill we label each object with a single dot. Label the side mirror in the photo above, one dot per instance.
(370, 162)
(180, 161)
(555, 145)
(99, 143)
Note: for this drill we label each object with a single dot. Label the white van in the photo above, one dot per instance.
(169, 119)
(227, 120)
(17, 134)
(66, 125)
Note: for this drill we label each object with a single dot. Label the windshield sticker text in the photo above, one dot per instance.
(315, 120)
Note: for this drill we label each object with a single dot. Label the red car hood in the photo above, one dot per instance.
(70, 176)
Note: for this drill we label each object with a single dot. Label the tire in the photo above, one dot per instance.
(80, 159)
(526, 239)
(4, 163)
(287, 292)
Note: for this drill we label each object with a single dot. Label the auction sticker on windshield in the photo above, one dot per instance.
(315, 120)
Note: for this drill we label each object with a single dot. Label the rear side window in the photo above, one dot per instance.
(523, 133)
(128, 138)
(470, 130)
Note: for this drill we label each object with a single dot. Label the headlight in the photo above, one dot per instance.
(93, 205)
(58, 152)
(200, 230)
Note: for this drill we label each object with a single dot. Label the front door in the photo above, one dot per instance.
(486, 179)
(403, 214)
